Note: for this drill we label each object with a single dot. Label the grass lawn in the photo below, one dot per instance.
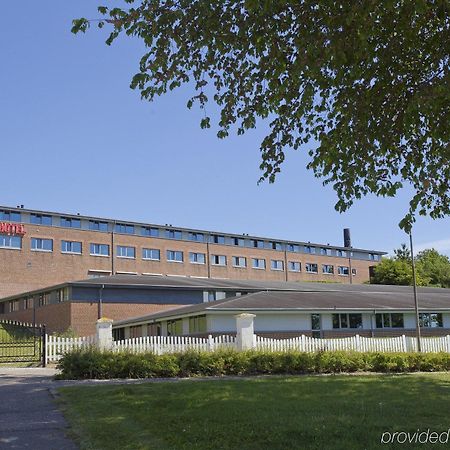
(306, 412)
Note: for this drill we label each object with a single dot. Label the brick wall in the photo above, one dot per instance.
(24, 270)
(81, 317)
(84, 315)
(56, 317)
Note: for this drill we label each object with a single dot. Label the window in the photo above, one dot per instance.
(197, 324)
(276, 264)
(341, 253)
(124, 228)
(95, 225)
(70, 247)
(218, 260)
(69, 222)
(325, 251)
(239, 241)
(175, 327)
(347, 320)
(239, 261)
(373, 257)
(310, 250)
(136, 331)
(197, 237)
(42, 245)
(276, 246)
(10, 241)
(40, 219)
(197, 258)
(343, 270)
(389, 320)
(294, 266)
(14, 305)
(98, 273)
(174, 256)
(293, 248)
(218, 239)
(153, 329)
(119, 334)
(327, 269)
(99, 249)
(311, 268)
(151, 253)
(126, 252)
(43, 299)
(315, 325)
(258, 263)
(64, 294)
(257, 243)
(174, 234)
(430, 320)
(10, 216)
(150, 231)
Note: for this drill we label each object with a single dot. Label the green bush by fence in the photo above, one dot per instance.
(92, 363)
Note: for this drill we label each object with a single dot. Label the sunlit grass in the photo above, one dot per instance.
(307, 412)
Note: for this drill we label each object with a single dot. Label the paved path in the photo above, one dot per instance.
(29, 416)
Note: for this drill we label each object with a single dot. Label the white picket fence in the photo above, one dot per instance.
(171, 344)
(355, 343)
(56, 346)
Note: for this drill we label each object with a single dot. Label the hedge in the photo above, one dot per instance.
(94, 364)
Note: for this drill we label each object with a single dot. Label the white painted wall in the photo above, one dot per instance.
(263, 322)
(327, 321)
(225, 323)
(282, 322)
(409, 320)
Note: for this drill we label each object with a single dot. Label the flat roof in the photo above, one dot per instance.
(194, 230)
(192, 283)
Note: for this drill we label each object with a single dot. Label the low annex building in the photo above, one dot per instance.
(78, 304)
(328, 311)
(152, 305)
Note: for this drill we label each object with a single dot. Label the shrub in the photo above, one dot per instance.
(92, 363)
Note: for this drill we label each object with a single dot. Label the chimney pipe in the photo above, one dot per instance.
(347, 239)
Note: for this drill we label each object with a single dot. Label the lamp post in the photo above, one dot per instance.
(416, 303)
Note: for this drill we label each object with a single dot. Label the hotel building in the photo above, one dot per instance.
(41, 248)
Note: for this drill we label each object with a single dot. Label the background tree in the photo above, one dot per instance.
(434, 267)
(403, 253)
(365, 84)
(396, 271)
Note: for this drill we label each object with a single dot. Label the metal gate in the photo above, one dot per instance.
(21, 342)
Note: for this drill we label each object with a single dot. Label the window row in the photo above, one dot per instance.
(386, 320)
(74, 247)
(170, 233)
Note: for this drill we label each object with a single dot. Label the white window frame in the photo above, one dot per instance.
(72, 252)
(277, 261)
(258, 261)
(151, 250)
(238, 259)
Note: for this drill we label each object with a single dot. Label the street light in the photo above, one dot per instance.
(416, 303)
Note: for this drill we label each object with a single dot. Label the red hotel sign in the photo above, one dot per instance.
(16, 229)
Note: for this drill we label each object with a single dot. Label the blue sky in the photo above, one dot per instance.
(75, 138)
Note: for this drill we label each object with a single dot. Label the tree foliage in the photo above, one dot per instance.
(365, 84)
(432, 269)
